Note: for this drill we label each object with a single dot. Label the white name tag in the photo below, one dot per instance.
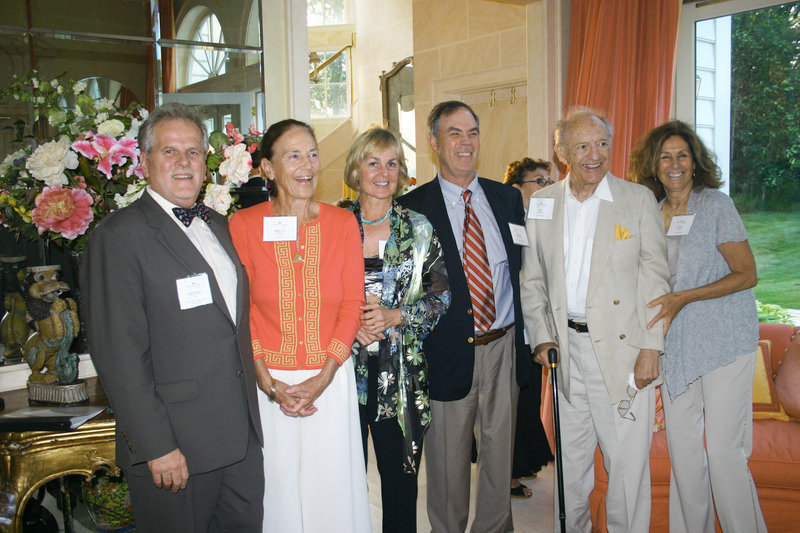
(194, 291)
(541, 208)
(280, 229)
(680, 225)
(381, 248)
(518, 234)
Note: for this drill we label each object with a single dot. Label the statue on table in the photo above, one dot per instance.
(56, 325)
(14, 329)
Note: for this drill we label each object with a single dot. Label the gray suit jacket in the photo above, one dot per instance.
(175, 378)
(625, 275)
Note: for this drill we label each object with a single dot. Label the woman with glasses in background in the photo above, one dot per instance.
(531, 449)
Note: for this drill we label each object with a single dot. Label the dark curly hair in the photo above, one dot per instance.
(516, 170)
(643, 168)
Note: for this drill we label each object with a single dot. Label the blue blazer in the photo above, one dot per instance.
(450, 354)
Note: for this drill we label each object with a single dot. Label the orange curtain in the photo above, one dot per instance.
(167, 13)
(622, 62)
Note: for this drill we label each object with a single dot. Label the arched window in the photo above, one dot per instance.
(207, 63)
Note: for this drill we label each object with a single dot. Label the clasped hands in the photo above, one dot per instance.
(374, 321)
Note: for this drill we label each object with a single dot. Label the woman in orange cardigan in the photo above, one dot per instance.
(306, 290)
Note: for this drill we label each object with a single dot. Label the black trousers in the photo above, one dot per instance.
(398, 489)
(224, 500)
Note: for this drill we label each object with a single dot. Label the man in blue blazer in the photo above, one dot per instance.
(471, 369)
(165, 299)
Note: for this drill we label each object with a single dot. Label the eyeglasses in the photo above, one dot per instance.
(624, 406)
(542, 182)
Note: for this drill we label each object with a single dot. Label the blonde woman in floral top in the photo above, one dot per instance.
(406, 292)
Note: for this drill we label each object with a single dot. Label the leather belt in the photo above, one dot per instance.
(580, 327)
(491, 335)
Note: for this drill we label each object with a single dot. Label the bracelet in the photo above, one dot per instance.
(272, 392)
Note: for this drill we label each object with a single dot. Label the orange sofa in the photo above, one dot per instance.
(775, 461)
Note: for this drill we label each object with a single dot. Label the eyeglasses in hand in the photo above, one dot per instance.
(624, 406)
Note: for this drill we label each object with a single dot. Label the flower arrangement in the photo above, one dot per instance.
(79, 161)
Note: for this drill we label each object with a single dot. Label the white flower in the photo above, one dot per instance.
(49, 161)
(75, 129)
(218, 198)
(5, 166)
(60, 90)
(133, 193)
(111, 127)
(78, 112)
(134, 131)
(40, 99)
(237, 164)
(101, 117)
(103, 104)
(35, 83)
(54, 82)
(79, 86)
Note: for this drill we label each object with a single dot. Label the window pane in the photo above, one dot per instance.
(236, 72)
(326, 12)
(329, 96)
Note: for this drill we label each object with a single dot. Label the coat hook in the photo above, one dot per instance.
(492, 99)
(513, 95)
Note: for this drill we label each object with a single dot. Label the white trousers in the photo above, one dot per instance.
(314, 466)
(590, 418)
(718, 405)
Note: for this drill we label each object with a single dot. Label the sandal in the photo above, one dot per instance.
(521, 492)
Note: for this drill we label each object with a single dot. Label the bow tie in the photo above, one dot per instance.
(187, 214)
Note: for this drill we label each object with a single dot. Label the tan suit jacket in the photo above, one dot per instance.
(625, 274)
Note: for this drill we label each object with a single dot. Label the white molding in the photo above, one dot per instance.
(14, 377)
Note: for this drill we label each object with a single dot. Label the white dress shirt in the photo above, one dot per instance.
(209, 247)
(580, 223)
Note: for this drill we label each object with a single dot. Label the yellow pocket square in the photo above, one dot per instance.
(620, 233)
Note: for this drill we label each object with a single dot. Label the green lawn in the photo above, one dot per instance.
(775, 240)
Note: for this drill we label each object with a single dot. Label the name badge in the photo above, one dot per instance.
(194, 291)
(541, 208)
(381, 248)
(280, 229)
(680, 225)
(518, 234)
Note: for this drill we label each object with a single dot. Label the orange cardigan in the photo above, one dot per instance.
(302, 311)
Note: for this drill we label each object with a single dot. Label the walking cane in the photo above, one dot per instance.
(552, 358)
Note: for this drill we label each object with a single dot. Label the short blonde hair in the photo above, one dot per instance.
(370, 142)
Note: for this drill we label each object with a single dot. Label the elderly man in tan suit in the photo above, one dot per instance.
(597, 256)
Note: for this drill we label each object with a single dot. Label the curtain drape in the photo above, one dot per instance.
(622, 62)
(167, 13)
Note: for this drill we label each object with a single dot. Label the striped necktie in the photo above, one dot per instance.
(476, 267)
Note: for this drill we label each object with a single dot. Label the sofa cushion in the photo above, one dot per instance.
(775, 461)
(787, 379)
(765, 397)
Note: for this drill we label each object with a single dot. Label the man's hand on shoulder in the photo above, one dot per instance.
(645, 371)
(170, 471)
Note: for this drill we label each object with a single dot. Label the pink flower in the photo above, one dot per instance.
(108, 151)
(254, 132)
(64, 211)
(233, 133)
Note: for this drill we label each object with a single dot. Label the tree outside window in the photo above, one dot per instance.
(329, 97)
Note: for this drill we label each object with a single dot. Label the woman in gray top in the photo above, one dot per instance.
(712, 334)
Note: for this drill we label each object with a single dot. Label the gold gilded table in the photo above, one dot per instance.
(28, 459)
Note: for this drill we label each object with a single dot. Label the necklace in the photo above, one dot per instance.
(377, 220)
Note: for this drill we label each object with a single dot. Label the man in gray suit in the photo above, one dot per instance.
(597, 256)
(165, 300)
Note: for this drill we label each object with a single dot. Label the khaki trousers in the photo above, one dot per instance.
(488, 411)
(590, 418)
(719, 405)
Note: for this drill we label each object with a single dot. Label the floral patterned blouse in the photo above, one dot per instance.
(414, 280)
